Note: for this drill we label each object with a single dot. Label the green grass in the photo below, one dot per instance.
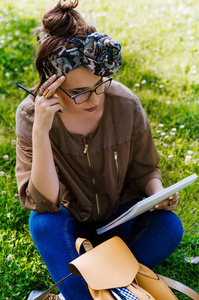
(160, 48)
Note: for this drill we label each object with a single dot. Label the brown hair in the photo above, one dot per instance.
(60, 23)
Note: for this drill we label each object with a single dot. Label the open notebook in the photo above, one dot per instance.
(146, 204)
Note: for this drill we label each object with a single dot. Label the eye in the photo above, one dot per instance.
(78, 91)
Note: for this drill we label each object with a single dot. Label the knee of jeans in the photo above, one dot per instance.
(44, 223)
(173, 226)
(39, 223)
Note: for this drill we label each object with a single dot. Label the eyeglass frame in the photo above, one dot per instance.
(73, 97)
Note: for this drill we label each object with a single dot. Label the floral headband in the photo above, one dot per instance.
(101, 54)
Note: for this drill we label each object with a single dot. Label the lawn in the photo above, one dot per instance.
(161, 57)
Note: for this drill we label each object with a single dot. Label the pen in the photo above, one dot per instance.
(28, 91)
(25, 89)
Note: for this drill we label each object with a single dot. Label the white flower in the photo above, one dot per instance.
(163, 133)
(187, 159)
(169, 156)
(166, 136)
(7, 74)
(161, 125)
(173, 133)
(137, 84)
(161, 86)
(10, 257)
(169, 25)
(173, 129)
(143, 81)
(6, 157)
(168, 102)
(182, 126)
(8, 215)
(190, 152)
(2, 173)
(3, 192)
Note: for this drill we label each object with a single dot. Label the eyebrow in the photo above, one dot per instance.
(84, 88)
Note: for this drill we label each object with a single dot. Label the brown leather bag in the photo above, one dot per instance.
(112, 264)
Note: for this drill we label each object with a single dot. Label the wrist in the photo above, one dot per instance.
(39, 132)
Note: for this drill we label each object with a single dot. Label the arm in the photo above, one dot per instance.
(153, 186)
(144, 172)
(43, 175)
(37, 179)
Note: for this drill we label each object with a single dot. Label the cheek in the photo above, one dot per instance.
(66, 101)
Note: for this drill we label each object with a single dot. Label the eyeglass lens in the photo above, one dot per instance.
(100, 89)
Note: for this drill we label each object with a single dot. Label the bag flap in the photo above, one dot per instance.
(109, 265)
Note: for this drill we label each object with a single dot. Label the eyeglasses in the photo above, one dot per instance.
(83, 97)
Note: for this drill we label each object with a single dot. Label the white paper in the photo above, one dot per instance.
(146, 204)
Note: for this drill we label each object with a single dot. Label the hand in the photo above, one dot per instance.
(46, 104)
(168, 204)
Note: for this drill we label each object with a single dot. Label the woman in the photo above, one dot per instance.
(85, 152)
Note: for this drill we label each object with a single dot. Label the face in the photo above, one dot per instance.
(77, 81)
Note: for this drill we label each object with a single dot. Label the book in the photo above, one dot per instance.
(148, 203)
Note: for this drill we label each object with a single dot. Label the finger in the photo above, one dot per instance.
(171, 207)
(55, 108)
(49, 91)
(47, 103)
(43, 87)
(174, 198)
(56, 84)
(50, 81)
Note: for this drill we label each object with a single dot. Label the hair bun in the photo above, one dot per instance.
(61, 19)
(68, 5)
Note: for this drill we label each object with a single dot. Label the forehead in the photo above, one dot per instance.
(80, 77)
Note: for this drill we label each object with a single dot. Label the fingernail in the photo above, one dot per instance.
(54, 76)
(157, 206)
(171, 197)
(62, 77)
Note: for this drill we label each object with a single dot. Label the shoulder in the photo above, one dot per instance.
(127, 105)
(24, 118)
(118, 89)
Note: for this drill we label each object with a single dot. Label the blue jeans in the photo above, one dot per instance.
(152, 237)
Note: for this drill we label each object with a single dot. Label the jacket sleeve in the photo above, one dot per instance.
(145, 159)
(30, 197)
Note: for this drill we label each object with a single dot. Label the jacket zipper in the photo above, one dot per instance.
(117, 166)
(93, 179)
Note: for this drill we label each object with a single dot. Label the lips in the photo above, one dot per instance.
(92, 109)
